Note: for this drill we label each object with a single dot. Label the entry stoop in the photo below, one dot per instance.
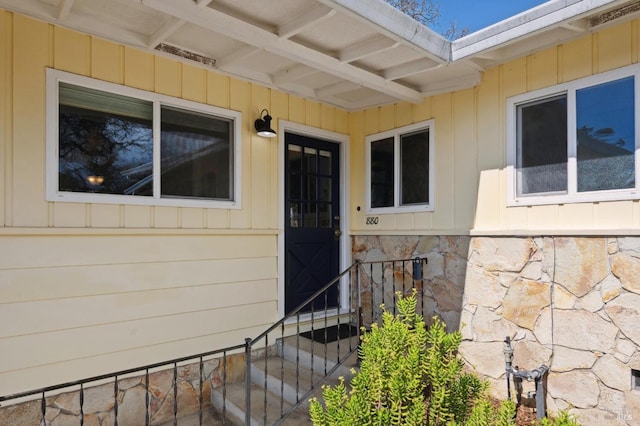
(300, 364)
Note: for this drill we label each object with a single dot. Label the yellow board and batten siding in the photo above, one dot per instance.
(471, 144)
(90, 288)
(87, 289)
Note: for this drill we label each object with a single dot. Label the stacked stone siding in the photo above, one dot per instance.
(571, 303)
(99, 407)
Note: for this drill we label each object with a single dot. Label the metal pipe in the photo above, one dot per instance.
(508, 359)
(536, 376)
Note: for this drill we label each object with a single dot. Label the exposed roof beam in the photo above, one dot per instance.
(293, 73)
(170, 26)
(230, 26)
(236, 56)
(334, 89)
(304, 21)
(64, 8)
(409, 68)
(388, 20)
(366, 48)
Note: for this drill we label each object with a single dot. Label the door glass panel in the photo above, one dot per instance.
(311, 158)
(324, 189)
(294, 187)
(324, 215)
(294, 215)
(295, 159)
(324, 163)
(606, 136)
(311, 187)
(310, 216)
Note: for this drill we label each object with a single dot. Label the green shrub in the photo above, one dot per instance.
(563, 418)
(413, 376)
(408, 376)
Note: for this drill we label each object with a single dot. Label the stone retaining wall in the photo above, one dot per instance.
(571, 303)
(99, 403)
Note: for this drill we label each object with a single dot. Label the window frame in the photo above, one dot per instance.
(571, 195)
(53, 80)
(397, 134)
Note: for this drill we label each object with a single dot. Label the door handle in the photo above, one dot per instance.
(337, 233)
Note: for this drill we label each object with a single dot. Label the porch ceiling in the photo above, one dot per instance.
(353, 54)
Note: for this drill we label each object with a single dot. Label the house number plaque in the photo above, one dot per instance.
(372, 220)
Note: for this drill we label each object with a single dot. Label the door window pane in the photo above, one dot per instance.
(324, 215)
(294, 215)
(295, 159)
(382, 173)
(310, 215)
(324, 189)
(311, 158)
(606, 136)
(196, 155)
(542, 147)
(414, 168)
(324, 163)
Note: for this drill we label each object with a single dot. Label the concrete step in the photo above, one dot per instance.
(284, 378)
(321, 357)
(288, 377)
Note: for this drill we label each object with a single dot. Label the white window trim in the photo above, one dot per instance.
(396, 134)
(571, 195)
(54, 77)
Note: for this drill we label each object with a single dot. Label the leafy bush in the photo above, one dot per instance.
(408, 376)
(413, 376)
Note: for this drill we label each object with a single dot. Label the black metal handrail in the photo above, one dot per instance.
(262, 348)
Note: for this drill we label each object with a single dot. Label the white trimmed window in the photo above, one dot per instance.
(108, 143)
(400, 169)
(575, 142)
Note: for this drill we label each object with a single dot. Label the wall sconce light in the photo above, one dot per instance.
(263, 125)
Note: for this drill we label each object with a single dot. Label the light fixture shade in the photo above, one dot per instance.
(263, 126)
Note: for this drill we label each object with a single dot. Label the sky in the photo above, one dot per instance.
(479, 14)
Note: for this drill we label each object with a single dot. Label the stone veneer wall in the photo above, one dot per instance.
(99, 407)
(443, 277)
(571, 303)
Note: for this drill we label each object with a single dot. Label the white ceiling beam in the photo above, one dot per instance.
(335, 89)
(237, 55)
(64, 8)
(409, 68)
(230, 26)
(366, 48)
(293, 73)
(388, 20)
(35, 8)
(304, 21)
(169, 27)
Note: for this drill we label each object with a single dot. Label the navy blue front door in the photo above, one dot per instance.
(312, 219)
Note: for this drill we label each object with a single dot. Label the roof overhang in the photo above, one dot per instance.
(353, 54)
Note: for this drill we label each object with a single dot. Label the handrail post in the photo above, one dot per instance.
(247, 382)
